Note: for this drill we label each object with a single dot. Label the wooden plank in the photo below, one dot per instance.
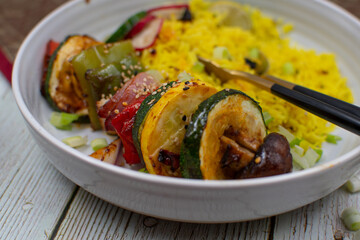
(17, 18)
(32, 192)
(319, 220)
(5, 88)
(92, 218)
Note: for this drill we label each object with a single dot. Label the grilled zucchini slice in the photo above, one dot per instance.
(62, 89)
(227, 120)
(165, 126)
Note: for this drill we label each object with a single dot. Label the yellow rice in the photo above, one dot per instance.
(180, 42)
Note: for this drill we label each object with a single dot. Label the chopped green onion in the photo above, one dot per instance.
(144, 170)
(351, 218)
(62, 120)
(298, 150)
(311, 156)
(98, 143)
(155, 74)
(299, 160)
(320, 152)
(332, 138)
(198, 67)
(184, 76)
(254, 53)
(76, 141)
(221, 53)
(288, 68)
(295, 141)
(267, 118)
(353, 184)
(289, 136)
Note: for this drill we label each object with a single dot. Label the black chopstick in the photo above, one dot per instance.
(324, 110)
(333, 110)
(350, 108)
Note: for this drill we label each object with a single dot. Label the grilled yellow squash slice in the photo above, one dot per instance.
(166, 123)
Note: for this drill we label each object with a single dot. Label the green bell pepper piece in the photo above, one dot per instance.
(96, 57)
(107, 79)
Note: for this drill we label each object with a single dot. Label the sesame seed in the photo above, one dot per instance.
(151, 102)
(153, 93)
(186, 88)
(162, 93)
(145, 79)
(115, 88)
(123, 67)
(124, 104)
(257, 160)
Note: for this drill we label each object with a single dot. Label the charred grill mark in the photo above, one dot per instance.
(170, 159)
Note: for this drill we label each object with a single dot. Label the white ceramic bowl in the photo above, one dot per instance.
(318, 24)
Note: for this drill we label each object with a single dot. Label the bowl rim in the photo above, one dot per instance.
(163, 180)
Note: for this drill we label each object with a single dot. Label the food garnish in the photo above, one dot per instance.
(75, 141)
(98, 143)
(63, 120)
(351, 218)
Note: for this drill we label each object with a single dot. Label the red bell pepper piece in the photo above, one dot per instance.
(126, 96)
(50, 49)
(123, 124)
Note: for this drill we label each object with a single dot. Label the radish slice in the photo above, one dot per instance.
(140, 26)
(170, 10)
(147, 36)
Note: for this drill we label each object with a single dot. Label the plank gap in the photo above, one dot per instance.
(63, 214)
(272, 228)
(127, 225)
(178, 231)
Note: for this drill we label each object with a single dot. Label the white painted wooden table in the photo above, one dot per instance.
(37, 202)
